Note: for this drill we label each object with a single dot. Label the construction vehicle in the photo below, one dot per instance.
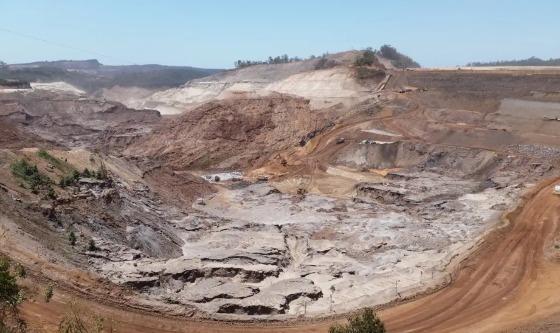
(556, 189)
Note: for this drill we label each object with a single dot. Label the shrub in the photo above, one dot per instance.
(70, 179)
(283, 59)
(49, 292)
(367, 58)
(364, 322)
(325, 63)
(9, 290)
(52, 160)
(72, 238)
(91, 245)
(365, 73)
(86, 173)
(30, 174)
(399, 60)
(51, 194)
(101, 173)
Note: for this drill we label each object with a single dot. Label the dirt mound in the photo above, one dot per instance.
(230, 134)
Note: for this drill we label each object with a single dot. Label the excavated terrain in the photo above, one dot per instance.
(309, 196)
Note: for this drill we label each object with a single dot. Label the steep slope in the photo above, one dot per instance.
(337, 83)
(230, 133)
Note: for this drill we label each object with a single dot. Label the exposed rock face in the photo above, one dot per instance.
(69, 120)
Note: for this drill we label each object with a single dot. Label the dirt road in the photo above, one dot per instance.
(511, 280)
(507, 282)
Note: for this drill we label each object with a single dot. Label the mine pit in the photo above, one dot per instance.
(391, 236)
(282, 192)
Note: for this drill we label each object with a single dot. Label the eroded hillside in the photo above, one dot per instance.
(280, 191)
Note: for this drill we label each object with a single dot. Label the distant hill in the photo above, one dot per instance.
(91, 75)
(533, 61)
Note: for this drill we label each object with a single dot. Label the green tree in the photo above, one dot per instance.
(367, 58)
(9, 290)
(30, 174)
(364, 322)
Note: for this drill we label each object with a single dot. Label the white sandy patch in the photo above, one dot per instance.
(381, 132)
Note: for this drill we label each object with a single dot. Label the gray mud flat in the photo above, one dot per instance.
(250, 251)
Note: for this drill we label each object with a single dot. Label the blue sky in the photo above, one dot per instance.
(213, 33)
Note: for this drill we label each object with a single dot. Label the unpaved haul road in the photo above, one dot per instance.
(512, 279)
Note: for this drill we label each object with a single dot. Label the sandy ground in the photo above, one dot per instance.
(511, 280)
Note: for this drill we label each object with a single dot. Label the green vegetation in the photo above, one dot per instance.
(56, 162)
(10, 297)
(51, 194)
(532, 61)
(86, 173)
(31, 175)
(364, 322)
(102, 173)
(91, 245)
(365, 73)
(367, 58)
(283, 59)
(49, 292)
(398, 60)
(324, 62)
(9, 290)
(75, 175)
(70, 179)
(72, 238)
(45, 155)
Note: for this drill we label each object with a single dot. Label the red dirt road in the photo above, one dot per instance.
(512, 279)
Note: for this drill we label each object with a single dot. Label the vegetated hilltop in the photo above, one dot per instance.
(532, 61)
(92, 76)
(397, 59)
